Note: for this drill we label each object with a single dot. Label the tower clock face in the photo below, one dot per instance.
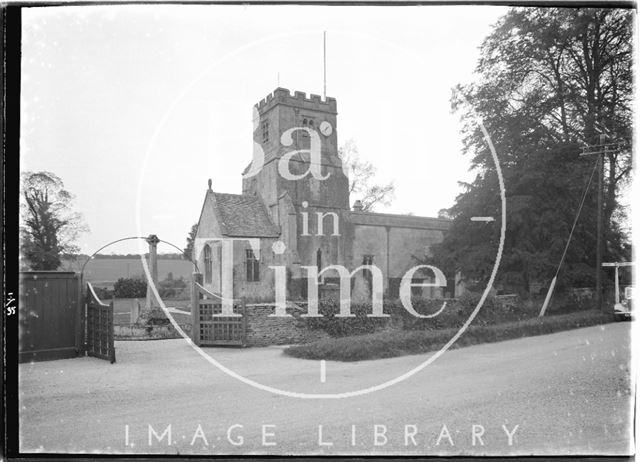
(325, 128)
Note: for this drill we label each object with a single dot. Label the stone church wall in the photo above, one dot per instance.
(254, 291)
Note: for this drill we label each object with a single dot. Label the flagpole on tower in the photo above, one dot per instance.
(324, 49)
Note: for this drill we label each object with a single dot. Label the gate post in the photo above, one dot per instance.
(151, 303)
(111, 348)
(195, 308)
(80, 319)
(244, 321)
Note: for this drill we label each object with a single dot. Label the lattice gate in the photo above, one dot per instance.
(209, 330)
(99, 321)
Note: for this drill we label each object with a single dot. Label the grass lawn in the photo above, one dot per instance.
(405, 342)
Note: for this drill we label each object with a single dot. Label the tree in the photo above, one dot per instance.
(191, 238)
(444, 214)
(49, 227)
(361, 174)
(548, 80)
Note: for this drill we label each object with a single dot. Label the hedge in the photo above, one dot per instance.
(404, 342)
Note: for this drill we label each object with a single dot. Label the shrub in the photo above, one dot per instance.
(454, 315)
(103, 293)
(495, 310)
(398, 343)
(567, 302)
(339, 327)
(130, 288)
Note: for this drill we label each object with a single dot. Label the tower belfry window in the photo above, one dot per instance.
(265, 131)
(306, 122)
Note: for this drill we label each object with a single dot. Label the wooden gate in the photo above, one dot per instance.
(50, 316)
(209, 330)
(99, 327)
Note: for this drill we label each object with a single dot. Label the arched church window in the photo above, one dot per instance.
(208, 264)
(252, 266)
(265, 131)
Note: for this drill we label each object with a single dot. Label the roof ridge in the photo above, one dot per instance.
(228, 194)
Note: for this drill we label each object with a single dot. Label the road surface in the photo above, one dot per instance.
(565, 393)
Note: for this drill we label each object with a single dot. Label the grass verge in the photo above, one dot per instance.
(403, 342)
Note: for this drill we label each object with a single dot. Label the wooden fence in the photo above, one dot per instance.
(50, 316)
(211, 329)
(99, 327)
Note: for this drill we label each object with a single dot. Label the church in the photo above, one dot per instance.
(287, 217)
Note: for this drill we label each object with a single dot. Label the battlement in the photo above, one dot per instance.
(298, 99)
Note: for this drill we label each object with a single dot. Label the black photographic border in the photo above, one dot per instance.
(10, 173)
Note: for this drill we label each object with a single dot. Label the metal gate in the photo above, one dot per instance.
(209, 330)
(99, 321)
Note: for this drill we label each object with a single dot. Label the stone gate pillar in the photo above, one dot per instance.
(151, 302)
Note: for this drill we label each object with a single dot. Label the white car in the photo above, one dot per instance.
(623, 309)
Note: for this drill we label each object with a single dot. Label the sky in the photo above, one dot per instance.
(135, 107)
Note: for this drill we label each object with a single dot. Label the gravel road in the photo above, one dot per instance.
(565, 393)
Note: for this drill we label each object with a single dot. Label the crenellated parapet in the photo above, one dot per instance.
(299, 100)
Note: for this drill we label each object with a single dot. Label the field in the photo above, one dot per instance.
(105, 271)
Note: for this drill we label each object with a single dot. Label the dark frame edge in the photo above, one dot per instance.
(11, 54)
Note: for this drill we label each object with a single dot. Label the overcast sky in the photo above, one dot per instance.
(135, 107)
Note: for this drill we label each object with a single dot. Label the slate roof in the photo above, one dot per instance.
(243, 216)
(398, 221)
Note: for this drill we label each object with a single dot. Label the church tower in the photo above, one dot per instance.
(299, 205)
(279, 112)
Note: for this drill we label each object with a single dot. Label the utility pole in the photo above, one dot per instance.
(600, 150)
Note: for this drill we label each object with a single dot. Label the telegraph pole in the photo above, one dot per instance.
(599, 150)
(599, 236)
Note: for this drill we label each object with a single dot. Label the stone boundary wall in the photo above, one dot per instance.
(263, 330)
(151, 332)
